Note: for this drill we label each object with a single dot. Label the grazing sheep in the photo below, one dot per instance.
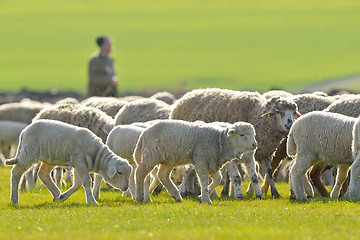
(173, 143)
(91, 118)
(109, 105)
(142, 110)
(272, 118)
(165, 97)
(354, 185)
(130, 98)
(56, 143)
(19, 112)
(320, 137)
(9, 134)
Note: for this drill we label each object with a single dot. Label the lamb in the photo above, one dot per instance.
(57, 143)
(165, 97)
(142, 110)
(122, 141)
(68, 100)
(109, 105)
(9, 134)
(88, 117)
(272, 118)
(353, 190)
(320, 137)
(19, 112)
(174, 142)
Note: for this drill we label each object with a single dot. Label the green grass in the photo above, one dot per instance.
(117, 217)
(179, 45)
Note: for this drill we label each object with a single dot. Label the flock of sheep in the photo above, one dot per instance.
(188, 146)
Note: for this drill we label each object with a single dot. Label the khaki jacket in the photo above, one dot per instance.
(101, 72)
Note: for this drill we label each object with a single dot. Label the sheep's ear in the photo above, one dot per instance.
(112, 171)
(231, 132)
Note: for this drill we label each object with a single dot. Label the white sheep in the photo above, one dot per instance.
(9, 134)
(165, 97)
(88, 117)
(19, 112)
(109, 105)
(122, 141)
(354, 185)
(56, 143)
(174, 142)
(320, 137)
(272, 119)
(142, 110)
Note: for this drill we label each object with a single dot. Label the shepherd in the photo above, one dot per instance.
(102, 77)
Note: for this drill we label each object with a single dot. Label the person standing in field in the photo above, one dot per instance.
(102, 78)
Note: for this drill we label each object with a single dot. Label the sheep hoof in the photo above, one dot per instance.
(240, 197)
(261, 197)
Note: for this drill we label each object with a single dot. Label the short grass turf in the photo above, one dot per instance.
(117, 217)
(167, 45)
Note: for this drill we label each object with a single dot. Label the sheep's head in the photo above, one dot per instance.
(177, 174)
(282, 111)
(118, 173)
(241, 138)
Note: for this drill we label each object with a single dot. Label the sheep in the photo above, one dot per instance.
(277, 93)
(174, 142)
(319, 137)
(9, 134)
(19, 112)
(130, 98)
(57, 143)
(88, 117)
(272, 118)
(142, 110)
(353, 190)
(347, 105)
(165, 97)
(68, 100)
(122, 141)
(109, 105)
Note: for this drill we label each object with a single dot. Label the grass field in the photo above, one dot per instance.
(179, 45)
(118, 217)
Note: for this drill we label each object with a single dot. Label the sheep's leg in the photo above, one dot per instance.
(164, 177)
(44, 175)
(58, 174)
(308, 188)
(271, 181)
(345, 185)
(154, 183)
(147, 189)
(36, 171)
(68, 176)
(216, 179)
(77, 184)
(251, 171)
(132, 181)
(203, 175)
(235, 178)
(297, 174)
(353, 189)
(16, 173)
(315, 174)
(97, 185)
(187, 187)
(30, 179)
(226, 178)
(86, 182)
(141, 172)
(340, 177)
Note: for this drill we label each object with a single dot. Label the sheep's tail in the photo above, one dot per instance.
(11, 161)
(138, 151)
(290, 145)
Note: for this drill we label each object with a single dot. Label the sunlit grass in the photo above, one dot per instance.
(37, 216)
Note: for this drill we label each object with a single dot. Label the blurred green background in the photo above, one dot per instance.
(179, 45)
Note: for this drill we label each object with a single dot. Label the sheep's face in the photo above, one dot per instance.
(282, 112)
(241, 137)
(177, 175)
(118, 174)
